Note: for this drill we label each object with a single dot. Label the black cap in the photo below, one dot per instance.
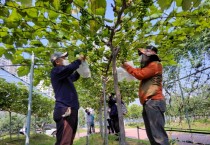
(152, 48)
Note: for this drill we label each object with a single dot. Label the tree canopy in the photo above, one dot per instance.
(14, 98)
(82, 26)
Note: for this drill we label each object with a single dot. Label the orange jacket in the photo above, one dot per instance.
(151, 80)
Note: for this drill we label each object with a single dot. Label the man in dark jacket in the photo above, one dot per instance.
(114, 113)
(66, 108)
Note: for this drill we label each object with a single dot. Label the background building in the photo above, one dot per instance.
(11, 70)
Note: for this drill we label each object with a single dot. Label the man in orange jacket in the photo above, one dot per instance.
(150, 94)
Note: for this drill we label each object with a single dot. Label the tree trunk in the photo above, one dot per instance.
(105, 113)
(10, 124)
(35, 124)
(100, 117)
(117, 91)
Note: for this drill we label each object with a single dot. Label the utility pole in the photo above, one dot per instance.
(28, 123)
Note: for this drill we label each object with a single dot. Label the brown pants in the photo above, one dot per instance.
(66, 126)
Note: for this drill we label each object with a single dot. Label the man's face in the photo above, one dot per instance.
(143, 60)
(62, 61)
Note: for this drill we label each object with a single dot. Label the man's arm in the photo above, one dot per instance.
(141, 73)
(65, 71)
(75, 76)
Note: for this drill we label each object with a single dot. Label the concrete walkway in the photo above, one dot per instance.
(182, 138)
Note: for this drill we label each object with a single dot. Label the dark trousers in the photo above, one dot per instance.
(115, 122)
(153, 115)
(66, 126)
(91, 128)
(110, 126)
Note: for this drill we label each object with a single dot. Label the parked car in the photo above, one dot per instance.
(51, 132)
(23, 130)
(50, 129)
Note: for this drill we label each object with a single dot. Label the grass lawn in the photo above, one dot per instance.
(96, 139)
(38, 139)
(202, 124)
(198, 125)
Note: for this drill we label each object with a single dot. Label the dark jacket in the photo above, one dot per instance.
(113, 107)
(62, 78)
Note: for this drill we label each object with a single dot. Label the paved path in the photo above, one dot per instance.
(190, 138)
(183, 138)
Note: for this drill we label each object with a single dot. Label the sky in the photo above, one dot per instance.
(10, 78)
(109, 12)
(14, 79)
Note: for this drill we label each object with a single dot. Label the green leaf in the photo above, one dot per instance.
(32, 12)
(181, 38)
(94, 26)
(8, 40)
(108, 20)
(36, 43)
(13, 17)
(27, 35)
(196, 3)
(98, 7)
(179, 3)
(19, 44)
(75, 24)
(9, 46)
(186, 5)
(100, 11)
(4, 12)
(156, 15)
(79, 2)
(23, 71)
(164, 4)
(26, 2)
(39, 3)
(2, 51)
(56, 4)
(8, 55)
(11, 4)
(118, 3)
(46, 4)
(101, 50)
(3, 32)
(53, 15)
(17, 59)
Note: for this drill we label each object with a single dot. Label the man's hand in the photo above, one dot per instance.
(124, 64)
(82, 57)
